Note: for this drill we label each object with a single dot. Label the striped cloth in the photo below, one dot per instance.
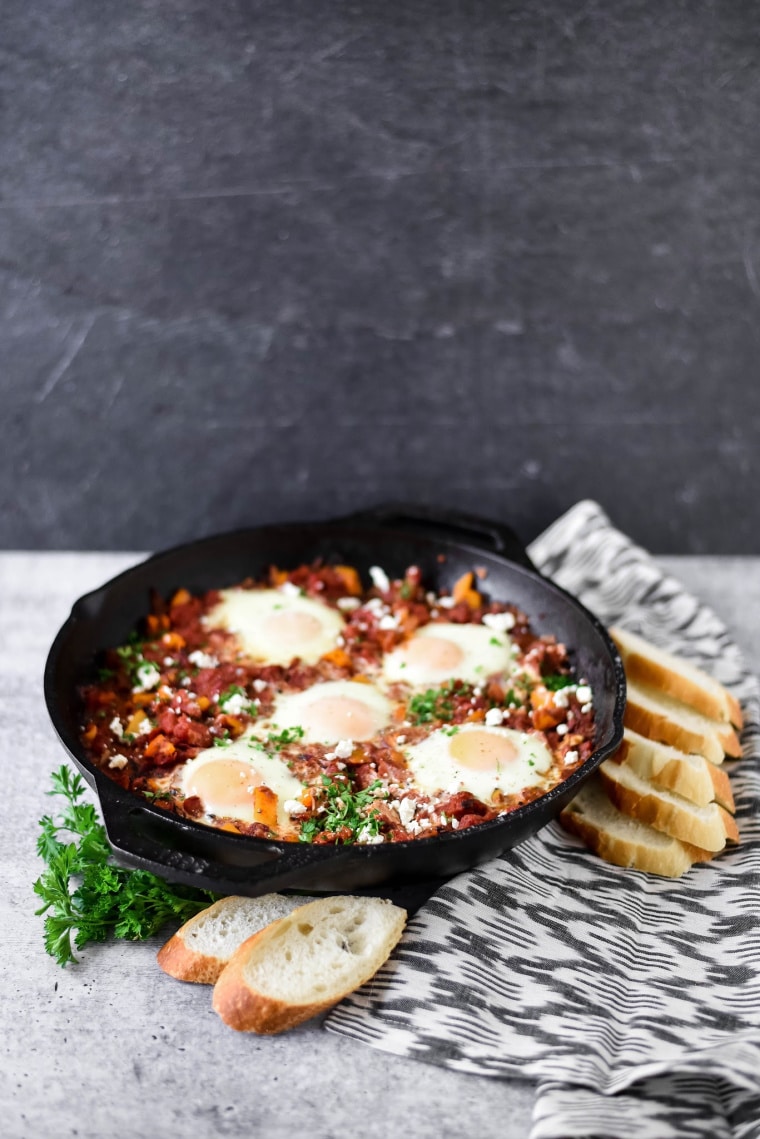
(633, 1001)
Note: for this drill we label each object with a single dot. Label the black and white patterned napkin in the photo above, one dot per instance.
(633, 1001)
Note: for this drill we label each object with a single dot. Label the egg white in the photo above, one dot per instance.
(435, 766)
(266, 770)
(310, 710)
(480, 651)
(265, 622)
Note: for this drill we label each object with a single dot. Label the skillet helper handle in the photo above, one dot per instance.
(496, 537)
(261, 867)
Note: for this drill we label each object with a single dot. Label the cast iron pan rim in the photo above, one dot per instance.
(131, 800)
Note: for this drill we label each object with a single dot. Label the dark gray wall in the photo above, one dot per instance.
(283, 259)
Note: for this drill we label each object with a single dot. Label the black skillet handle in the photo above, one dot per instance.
(188, 859)
(455, 525)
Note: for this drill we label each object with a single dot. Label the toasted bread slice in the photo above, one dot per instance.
(678, 678)
(305, 962)
(202, 947)
(691, 776)
(705, 827)
(619, 839)
(660, 717)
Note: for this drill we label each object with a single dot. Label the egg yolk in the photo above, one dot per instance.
(434, 653)
(339, 717)
(481, 750)
(292, 627)
(225, 784)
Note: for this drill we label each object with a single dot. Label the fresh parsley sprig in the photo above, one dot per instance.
(85, 894)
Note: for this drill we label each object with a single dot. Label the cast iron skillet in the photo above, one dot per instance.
(443, 545)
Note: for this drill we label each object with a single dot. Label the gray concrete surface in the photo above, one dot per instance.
(112, 1047)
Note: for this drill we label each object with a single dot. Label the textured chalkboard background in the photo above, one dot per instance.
(281, 259)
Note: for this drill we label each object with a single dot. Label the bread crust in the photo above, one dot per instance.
(186, 964)
(247, 1010)
(709, 829)
(649, 665)
(658, 725)
(690, 775)
(596, 830)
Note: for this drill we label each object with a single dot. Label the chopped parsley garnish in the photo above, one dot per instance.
(157, 795)
(85, 895)
(222, 741)
(435, 704)
(495, 641)
(106, 674)
(133, 661)
(285, 737)
(277, 740)
(345, 808)
(556, 681)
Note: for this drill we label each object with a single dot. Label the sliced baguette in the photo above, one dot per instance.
(705, 827)
(660, 717)
(624, 841)
(201, 948)
(683, 681)
(691, 776)
(305, 962)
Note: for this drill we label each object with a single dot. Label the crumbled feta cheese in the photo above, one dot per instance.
(348, 603)
(290, 589)
(562, 729)
(343, 750)
(380, 578)
(259, 685)
(377, 607)
(366, 838)
(477, 691)
(587, 707)
(202, 660)
(235, 704)
(561, 697)
(571, 757)
(584, 694)
(433, 612)
(499, 622)
(293, 807)
(144, 727)
(185, 682)
(168, 662)
(494, 717)
(446, 602)
(147, 677)
(116, 727)
(340, 641)
(406, 811)
(455, 824)
(431, 598)
(400, 740)
(454, 787)
(389, 621)
(118, 761)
